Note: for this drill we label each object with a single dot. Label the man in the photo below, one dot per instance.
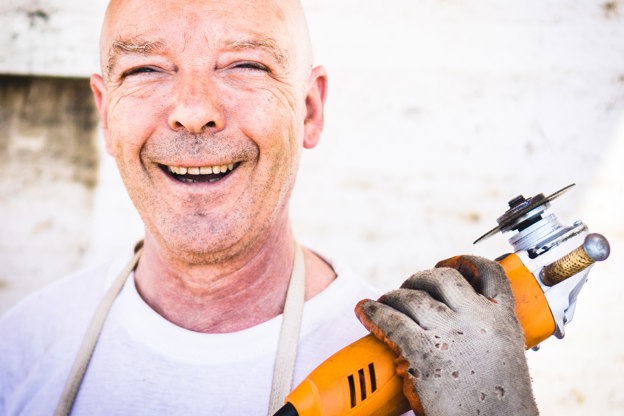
(206, 107)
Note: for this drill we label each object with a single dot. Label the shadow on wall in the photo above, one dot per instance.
(48, 172)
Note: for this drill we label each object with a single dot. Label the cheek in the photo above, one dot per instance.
(131, 120)
(276, 128)
(279, 140)
(273, 118)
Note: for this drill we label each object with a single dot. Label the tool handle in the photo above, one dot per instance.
(358, 380)
(594, 248)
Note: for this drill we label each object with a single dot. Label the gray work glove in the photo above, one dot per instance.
(459, 344)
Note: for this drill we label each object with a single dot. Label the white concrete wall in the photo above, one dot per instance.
(439, 112)
(50, 37)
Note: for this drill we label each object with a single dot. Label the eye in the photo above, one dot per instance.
(138, 70)
(250, 65)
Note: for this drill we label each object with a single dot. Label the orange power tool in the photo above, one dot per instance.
(547, 270)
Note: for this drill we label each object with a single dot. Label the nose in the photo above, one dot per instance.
(196, 106)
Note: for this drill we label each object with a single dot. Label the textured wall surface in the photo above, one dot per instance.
(48, 175)
(438, 113)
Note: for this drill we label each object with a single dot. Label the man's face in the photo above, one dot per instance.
(206, 106)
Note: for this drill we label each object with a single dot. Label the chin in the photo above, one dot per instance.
(202, 246)
(203, 239)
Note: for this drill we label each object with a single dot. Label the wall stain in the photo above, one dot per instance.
(38, 15)
(48, 130)
(611, 8)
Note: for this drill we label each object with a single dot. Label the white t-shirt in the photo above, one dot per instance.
(144, 364)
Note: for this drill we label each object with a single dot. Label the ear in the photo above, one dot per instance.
(315, 107)
(99, 94)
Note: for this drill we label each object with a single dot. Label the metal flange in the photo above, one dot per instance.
(523, 212)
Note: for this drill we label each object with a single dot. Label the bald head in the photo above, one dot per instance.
(143, 26)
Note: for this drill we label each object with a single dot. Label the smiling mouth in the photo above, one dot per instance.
(198, 174)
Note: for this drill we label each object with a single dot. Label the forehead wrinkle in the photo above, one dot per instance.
(130, 46)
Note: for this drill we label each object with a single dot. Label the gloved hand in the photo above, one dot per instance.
(459, 343)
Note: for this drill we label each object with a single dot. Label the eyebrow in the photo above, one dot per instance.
(131, 46)
(268, 44)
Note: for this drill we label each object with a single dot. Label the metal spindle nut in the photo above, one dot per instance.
(594, 248)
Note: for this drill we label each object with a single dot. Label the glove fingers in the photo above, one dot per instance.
(445, 285)
(399, 328)
(485, 276)
(420, 306)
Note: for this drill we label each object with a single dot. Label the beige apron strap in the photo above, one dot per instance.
(289, 334)
(76, 375)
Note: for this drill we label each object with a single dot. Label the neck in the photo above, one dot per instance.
(227, 296)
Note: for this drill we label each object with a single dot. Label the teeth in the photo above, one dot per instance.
(201, 170)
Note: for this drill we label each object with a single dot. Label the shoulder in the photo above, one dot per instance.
(336, 302)
(54, 315)
(348, 286)
(40, 335)
(334, 306)
(65, 298)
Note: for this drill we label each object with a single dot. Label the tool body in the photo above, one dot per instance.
(547, 270)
